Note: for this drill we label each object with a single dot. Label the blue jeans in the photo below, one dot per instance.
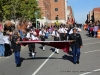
(17, 57)
(2, 50)
(95, 33)
(76, 54)
(21, 34)
(47, 34)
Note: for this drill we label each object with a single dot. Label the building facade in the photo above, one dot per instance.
(45, 7)
(70, 16)
(94, 15)
(53, 10)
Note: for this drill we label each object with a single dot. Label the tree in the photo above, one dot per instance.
(19, 8)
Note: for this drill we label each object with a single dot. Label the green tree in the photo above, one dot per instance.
(19, 8)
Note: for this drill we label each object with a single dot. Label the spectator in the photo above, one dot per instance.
(16, 48)
(2, 48)
(1, 26)
(95, 29)
(7, 44)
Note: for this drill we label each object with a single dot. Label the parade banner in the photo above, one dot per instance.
(63, 45)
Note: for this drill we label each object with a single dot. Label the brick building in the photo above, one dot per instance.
(70, 16)
(45, 7)
(52, 10)
(94, 15)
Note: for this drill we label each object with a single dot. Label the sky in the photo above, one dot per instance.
(82, 7)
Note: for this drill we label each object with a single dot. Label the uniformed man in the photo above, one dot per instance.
(61, 30)
(56, 36)
(31, 35)
(65, 33)
(42, 34)
(76, 44)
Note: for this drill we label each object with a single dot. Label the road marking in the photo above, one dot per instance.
(85, 73)
(92, 51)
(96, 70)
(43, 64)
(90, 72)
(91, 43)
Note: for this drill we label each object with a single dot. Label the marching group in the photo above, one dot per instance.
(9, 40)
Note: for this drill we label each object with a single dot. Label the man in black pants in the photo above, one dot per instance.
(42, 36)
(65, 33)
(55, 34)
(31, 35)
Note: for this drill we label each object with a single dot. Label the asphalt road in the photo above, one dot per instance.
(48, 63)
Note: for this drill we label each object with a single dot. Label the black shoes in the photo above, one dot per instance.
(78, 62)
(18, 65)
(74, 62)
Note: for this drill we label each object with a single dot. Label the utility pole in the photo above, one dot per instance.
(36, 14)
(36, 19)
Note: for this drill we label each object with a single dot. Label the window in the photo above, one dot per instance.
(56, 9)
(56, 0)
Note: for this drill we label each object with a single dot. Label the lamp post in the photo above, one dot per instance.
(36, 14)
(36, 19)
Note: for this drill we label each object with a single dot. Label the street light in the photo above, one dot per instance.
(36, 19)
(36, 14)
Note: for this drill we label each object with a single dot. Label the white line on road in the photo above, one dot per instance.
(85, 73)
(91, 43)
(90, 72)
(96, 70)
(92, 51)
(43, 64)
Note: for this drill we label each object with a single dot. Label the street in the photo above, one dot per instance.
(49, 63)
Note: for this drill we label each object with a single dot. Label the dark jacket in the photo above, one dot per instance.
(16, 47)
(78, 40)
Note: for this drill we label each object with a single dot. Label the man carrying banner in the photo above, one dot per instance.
(56, 36)
(76, 44)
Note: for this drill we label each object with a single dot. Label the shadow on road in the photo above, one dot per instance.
(41, 47)
(66, 57)
(40, 58)
(52, 49)
(70, 52)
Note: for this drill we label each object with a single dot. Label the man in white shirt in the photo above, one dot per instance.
(61, 30)
(56, 36)
(65, 33)
(31, 35)
(42, 34)
(7, 44)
